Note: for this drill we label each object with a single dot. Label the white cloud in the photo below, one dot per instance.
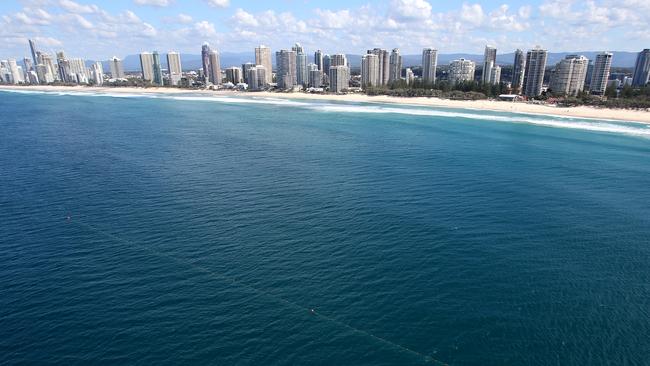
(411, 9)
(244, 18)
(74, 7)
(159, 3)
(205, 29)
(219, 3)
(472, 14)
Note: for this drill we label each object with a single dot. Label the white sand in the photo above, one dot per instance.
(491, 105)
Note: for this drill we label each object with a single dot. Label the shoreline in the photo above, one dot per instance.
(622, 115)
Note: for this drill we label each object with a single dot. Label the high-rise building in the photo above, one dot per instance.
(32, 47)
(63, 67)
(263, 58)
(47, 61)
(318, 60)
(78, 71)
(28, 64)
(489, 61)
(327, 62)
(117, 68)
(370, 76)
(97, 73)
(245, 67)
(535, 69)
(44, 74)
(409, 76)
(286, 64)
(174, 68)
(518, 71)
(302, 74)
(461, 71)
(495, 75)
(256, 77)
(234, 75)
(384, 64)
(146, 65)
(338, 59)
(429, 65)
(569, 76)
(642, 68)
(339, 78)
(395, 70)
(315, 76)
(157, 69)
(600, 73)
(215, 67)
(205, 62)
(16, 72)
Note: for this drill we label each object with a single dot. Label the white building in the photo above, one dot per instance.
(286, 64)
(117, 68)
(395, 69)
(489, 62)
(409, 76)
(535, 70)
(146, 64)
(370, 76)
(339, 77)
(569, 76)
(461, 71)
(97, 73)
(600, 73)
(263, 58)
(174, 67)
(429, 65)
(234, 75)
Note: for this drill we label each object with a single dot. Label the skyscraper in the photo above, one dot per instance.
(339, 78)
(146, 65)
(157, 69)
(569, 76)
(461, 70)
(97, 73)
(117, 68)
(234, 75)
(174, 68)
(15, 72)
(600, 73)
(205, 61)
(263, 58)
(78, 71)
(642, 68)
(338, 59)
(370, 71)
(429, 65)
(489, 61)
(409, 76)
(318, 59)
(495, 75)
(535, 69)
(518, 71)
(384, 64)
(63, 67)
(302, 74)
(32, 47)
(214, 74)
(286, 64)
(395, 70)
(245, 67)
(315, 76)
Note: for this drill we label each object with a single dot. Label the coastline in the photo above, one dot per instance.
(622, 115)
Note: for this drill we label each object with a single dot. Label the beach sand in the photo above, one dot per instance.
(491, 105)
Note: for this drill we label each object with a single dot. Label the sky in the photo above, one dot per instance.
(100, 29)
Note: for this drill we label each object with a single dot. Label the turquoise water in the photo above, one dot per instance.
(183, 230)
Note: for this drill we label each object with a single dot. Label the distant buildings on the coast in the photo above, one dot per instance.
(296, 70)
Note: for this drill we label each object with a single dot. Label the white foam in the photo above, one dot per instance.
(607, 126)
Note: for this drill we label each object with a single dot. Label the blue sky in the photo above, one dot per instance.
(99, 29)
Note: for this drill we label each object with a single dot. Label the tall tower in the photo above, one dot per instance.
(318, 59)
(117, 68)
(384, 64)
(157, 69)
(32, 47)
(215, 67)
(370, 70)
(569, 76)
(286, 63)
(395, 70)
(489, 61)
(429, 65)
(642, 68)
(263, 58)
(302, 74)
(518, 71)
(535, 69)
(600, 73)
(146, 64)
(174, 67)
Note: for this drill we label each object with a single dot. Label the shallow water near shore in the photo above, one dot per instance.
(177, 230)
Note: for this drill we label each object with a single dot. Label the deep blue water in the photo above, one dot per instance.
(203, 232)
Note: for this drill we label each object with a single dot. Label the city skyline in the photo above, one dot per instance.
(100, 30)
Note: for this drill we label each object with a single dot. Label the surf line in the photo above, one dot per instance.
(215, 275)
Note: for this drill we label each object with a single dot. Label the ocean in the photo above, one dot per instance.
(166, 230)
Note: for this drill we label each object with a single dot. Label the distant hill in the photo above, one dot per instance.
(193, 62)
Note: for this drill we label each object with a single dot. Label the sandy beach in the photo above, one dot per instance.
(490, 105)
